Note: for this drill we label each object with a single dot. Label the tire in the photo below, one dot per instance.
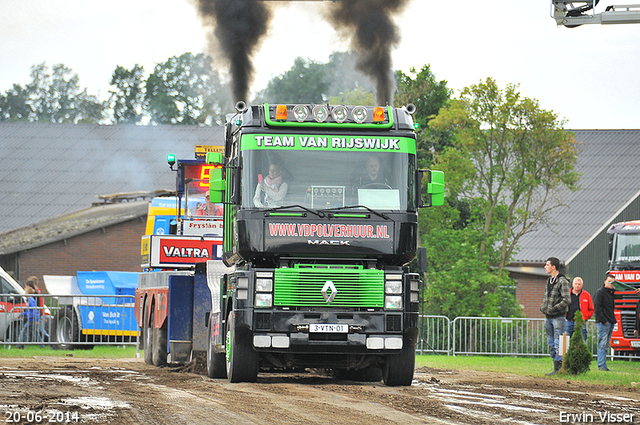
(368, 374)
(216, 364)
(241, 359)
(159, 346)
(147, 342)
(398, 369)
(65, 329)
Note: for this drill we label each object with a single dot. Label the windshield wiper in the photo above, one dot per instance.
(314, 212)
(379, 214)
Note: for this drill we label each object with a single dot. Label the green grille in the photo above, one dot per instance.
(302, 285)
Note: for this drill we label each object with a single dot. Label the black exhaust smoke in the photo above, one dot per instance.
(373, 34)
(239, 27)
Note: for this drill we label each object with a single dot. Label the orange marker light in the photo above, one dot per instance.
(281, 112)
(378, 114)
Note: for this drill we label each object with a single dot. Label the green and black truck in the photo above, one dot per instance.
(320, 222)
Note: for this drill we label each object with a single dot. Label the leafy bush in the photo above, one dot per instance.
(578, 356)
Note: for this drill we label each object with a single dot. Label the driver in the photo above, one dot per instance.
(371, 175)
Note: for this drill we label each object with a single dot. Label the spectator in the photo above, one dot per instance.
(605, 319)
(42, 334)
(580, 300)
(555, 304)
(209, 208)
(30, 317)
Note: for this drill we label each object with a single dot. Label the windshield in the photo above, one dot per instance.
(323, 180)
(626, 248)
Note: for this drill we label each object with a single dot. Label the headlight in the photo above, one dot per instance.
(242, 282)
(393, 287)
(264, 285)
(264, 300)
(393, 302)
(340, 113)
(300, 112)
(320, 113)
(393, 284)
(359, 114)
(415, 285)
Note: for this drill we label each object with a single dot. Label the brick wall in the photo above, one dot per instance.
(529, 292)
(113, 248)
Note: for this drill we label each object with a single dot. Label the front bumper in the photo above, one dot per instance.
(357, 332)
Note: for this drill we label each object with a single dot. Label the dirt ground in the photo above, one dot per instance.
(76, 390)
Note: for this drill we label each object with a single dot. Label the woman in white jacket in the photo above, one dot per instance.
(270, 191)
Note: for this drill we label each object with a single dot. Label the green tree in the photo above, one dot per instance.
(428, 95)
(578, 357)
(305, 82)
(185, 89)
(356, 96)
(460, 281)
(14, 104)
(127, 99)
(508, 154)
(337, 81)
(57, 97)
(343, 76)
(51, 96)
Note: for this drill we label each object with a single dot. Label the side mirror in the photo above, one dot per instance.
(435, 188)
(216, 179)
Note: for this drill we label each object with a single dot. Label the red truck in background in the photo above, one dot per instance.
(624, 264)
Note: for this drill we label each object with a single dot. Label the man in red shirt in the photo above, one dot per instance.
(580, 300)
(209, 208)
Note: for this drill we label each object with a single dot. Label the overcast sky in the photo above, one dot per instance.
(587, 75)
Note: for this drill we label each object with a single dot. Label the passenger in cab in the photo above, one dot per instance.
(271, 190)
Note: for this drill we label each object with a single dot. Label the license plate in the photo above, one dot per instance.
(635, 344)
(326, 328)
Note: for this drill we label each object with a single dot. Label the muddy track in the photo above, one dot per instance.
(72, 390)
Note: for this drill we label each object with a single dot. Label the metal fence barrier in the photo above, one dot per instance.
(435, 335)
(501, 336)
(80, 321)
(64, 321)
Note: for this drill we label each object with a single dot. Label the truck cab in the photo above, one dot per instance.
(320, 221)
(624, 264)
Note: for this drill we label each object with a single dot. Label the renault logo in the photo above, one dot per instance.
(329, 286)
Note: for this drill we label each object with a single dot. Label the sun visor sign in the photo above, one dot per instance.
(329, 143)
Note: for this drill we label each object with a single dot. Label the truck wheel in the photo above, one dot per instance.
(147, 344)
(216, 364)
(160, 346)
(65, 329)
(398, 369)
(242, 359)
